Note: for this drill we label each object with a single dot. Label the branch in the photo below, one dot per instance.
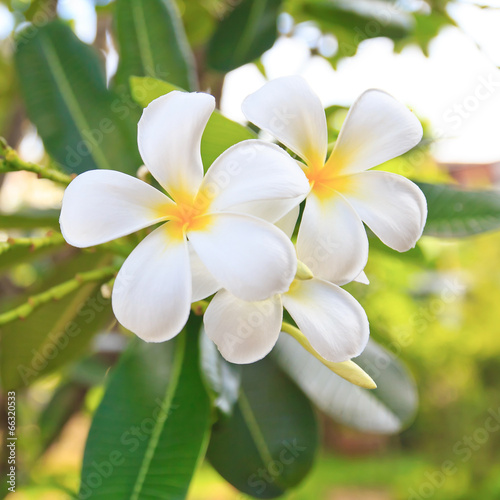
(57, 292)
(51, 239)
(348, 370)
(10, 162)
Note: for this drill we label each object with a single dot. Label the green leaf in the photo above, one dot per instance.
(244, 35)
(269, 443)
(68, 398)
(456, 212)
(83, 125)
(221, 377)
(151, 428)
(220, 132)
(153, 43)
(386, 409)
(58, 332)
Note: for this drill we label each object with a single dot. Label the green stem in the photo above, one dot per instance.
(10, 162)
(51, 239)
(348, 370)
(57, 292)
(199, 307)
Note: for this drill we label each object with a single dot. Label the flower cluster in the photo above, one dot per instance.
(228, 232)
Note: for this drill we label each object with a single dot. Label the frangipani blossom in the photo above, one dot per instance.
(331, 319)
(332, 240)
(207, 243)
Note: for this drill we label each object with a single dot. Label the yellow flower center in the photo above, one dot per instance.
(325, 181)
(186, 214)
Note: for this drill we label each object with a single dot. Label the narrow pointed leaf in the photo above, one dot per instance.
(64, 89)
(244, 35)
(386, 409)
(150, 430)
(456, 212)
(152, 42)
(269, 443)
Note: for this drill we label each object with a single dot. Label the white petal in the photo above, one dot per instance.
(243, 331)
(331, 319)
(270, 211)
(253, 171)
(288, 109)
(152, 292)
(332, 240)
(376, 129)
(249, 257)
(393, 207)
(362, 278)
(287, 222)
(203, 282)
(169, 137)
(101, 205)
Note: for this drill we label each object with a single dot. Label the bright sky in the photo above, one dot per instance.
(457, 89)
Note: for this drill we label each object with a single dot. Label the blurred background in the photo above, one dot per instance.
(435, 308)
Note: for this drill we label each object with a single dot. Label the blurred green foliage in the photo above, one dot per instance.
(434, 308)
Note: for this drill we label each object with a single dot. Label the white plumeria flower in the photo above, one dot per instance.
(332, 240)
(333, 322)
(331, 319)
(207, 243)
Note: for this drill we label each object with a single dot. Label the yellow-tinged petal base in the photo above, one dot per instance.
(185, 214)
(348, 370)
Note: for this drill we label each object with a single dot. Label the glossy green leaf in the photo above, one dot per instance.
(244, 34)
(269, 443)
(58, 332)
(64, 89)
(221, 377)
(220, 132)
(456, 212)
(151, 428)
(384, 410)
(152, 42)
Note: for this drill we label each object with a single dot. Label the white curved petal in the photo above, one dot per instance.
(169, 137)
(332, 240)
(249, 257)
(101, 205)
(362, 278)
(288, 222)
(270, 211)
(253, 171)
(393, 207)
(376, 129)
(203, 283)
(152, 292)
(332, 320)
(289, 109)
(243, 331)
